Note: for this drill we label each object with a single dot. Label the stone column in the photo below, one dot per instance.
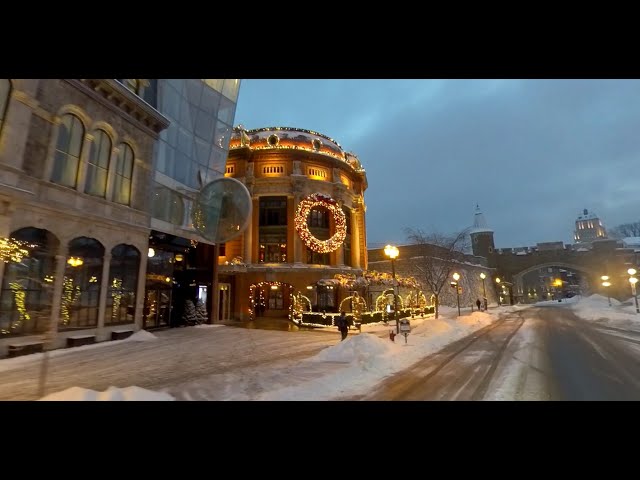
(104, 287)
(355, 238)
(140, 291)
(54, 318)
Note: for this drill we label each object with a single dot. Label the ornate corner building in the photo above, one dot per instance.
(307, 224)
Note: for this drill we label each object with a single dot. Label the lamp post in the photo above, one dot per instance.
(606, 283)
(484, 290)
(633, 280)
(498, 282)
(392, 252)
(456, 277)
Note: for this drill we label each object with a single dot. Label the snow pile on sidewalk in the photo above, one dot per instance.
(596, 308)
(142, 336)
(110, 394)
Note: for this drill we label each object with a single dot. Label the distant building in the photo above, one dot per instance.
(589, 228)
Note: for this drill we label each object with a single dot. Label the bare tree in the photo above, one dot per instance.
(625, 230)
(434, 258)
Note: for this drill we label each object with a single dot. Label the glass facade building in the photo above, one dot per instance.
(193, 150)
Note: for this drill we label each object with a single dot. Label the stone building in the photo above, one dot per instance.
(97, 177)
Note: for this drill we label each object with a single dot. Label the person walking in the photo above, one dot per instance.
(343, 326)
(478, 303)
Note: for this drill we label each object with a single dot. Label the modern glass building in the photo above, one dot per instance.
(191, 152)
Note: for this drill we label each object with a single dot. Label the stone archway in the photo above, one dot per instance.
(518, 277)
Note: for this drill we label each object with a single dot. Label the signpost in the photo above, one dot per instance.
(405, 328)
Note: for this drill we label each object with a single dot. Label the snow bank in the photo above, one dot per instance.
(110, 394)
(142, 336)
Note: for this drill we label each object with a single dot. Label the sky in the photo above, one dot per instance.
(531, 153)
(343, 369)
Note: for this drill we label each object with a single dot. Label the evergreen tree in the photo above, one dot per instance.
(201, 312)
(189, 315)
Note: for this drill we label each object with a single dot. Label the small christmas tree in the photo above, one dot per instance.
(189, 315)
(201, 312)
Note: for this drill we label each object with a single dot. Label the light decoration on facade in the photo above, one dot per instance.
(70, 295)
(302, 215)
(116, 295)
(19, 298)
(383, 278)
(259, 286)
(244, 141)
(75, 261)
(12, 250)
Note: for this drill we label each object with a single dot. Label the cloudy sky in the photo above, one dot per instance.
(531, 153)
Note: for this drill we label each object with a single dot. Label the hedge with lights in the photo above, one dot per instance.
(302, 215)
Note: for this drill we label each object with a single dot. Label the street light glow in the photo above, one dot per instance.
(456, 276)
(391, 251)
(631, 271)
(483, 276)
(633, 280)
(604, 278)
(498, 280)
(606, 284)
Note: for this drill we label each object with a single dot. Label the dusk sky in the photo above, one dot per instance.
(532, 153)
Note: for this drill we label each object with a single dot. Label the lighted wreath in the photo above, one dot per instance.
(302, 214)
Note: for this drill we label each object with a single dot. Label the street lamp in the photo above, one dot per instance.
(633, 280)
(484, 290)
(498, 282)
(456, 277)
(392, 252)
(606, 283)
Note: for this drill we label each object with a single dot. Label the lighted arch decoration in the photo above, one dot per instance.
(299, 302)
(414, 300)
(260, 285)
(357, 300)
(383, 299)
(302, 215)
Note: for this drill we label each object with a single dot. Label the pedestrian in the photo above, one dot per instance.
(343, 326)
(478, 303)
(486, 305)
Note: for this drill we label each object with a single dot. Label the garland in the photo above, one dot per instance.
(302, 214)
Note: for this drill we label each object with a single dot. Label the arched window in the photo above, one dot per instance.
(5, 93)
(68, 148)
(123, 284)
(27, 285)
(81, 284)
(124, 173)
(98, 167)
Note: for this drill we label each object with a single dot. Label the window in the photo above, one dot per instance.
(273, 248)
(123, 283)
(5, 93)
(318, 218)
(273, 211)
(68, 148)
(315, 258)
(81, 284)
(98, 167)
(123, 175)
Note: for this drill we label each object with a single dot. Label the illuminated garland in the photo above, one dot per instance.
(302, 214)
(12, 250)
(19, 297)
(70, 296)
(116, 295)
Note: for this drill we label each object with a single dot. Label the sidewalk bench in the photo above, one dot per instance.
(121, 334)
(80, 340)
(26, 348)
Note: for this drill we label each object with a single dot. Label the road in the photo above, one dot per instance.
(540, 353)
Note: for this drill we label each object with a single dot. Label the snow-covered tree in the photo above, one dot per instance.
(189, 315)
(201, 312)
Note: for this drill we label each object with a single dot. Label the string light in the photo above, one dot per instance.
(70, 296)
(302, 214)
(116, 295)
(12, 250)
